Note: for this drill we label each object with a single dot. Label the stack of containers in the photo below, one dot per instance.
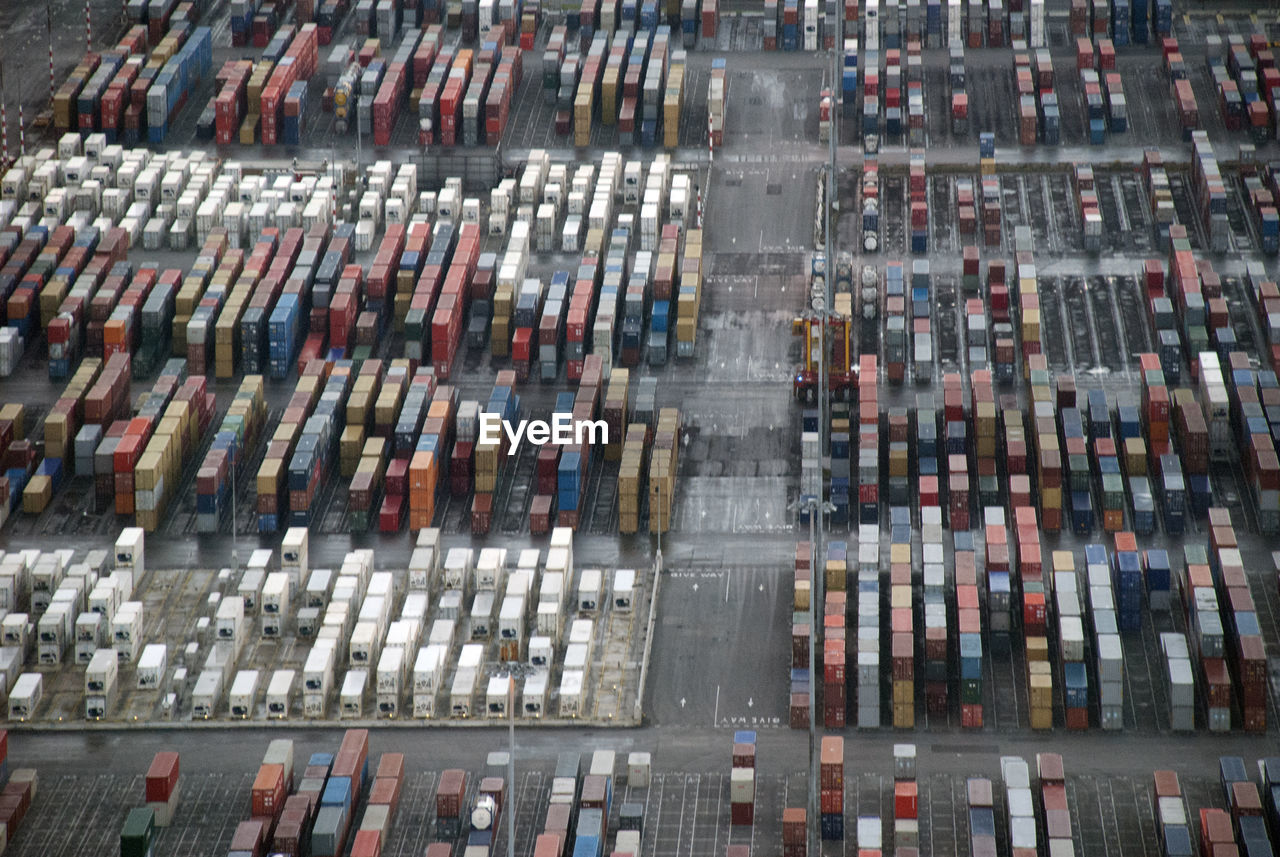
(1170, 813)
(1210, 192)
(1205, 633)
(384, 799)
(178, 430)
(936, 677)
(1108, 654)
(895, 321)
(689, 296)
(794, 832)
(901, 618)
(834, 689)
(1046, 448)
(162, 787)
(317, 443)
(969, 628)
(999, 581)
(868, 627)
(1159, 197)
(982, 816)
(906, 798)
(1034, 617)
(176, 80)
(1246, 653)
(1266, 216)
(1127, 582)
(237, 433)
(1180, 681)
(1070, 610)
(831, 784)
(1018, 797)
(917, 187)
(742, 779)
(1053, 797)
(631, 486)
(272, 498)
(801, 629)
(662, 468)
(868, 442)
(1214, 399)
(1087, 197)
(1217, 834)
(716, 91)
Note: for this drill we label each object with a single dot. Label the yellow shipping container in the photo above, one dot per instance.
(900, 596)
(16, 413)
(836, 576)
(37, 494)
(1037, 649)
(904, 692)
(269, 477)
(801, 599)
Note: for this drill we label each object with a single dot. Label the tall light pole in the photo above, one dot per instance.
(4, 117)
(48, 23)
(511, 764)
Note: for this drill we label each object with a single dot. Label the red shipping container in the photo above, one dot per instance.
(162, 776)
(905, 799)
(367, 843)
(268, 794)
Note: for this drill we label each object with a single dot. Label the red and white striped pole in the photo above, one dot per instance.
(88, 28)
(48, 22)
(22, 131)
(4, 117)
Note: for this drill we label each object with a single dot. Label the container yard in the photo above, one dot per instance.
(722, 428)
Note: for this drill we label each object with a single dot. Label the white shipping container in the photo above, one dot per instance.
(534, 696)
(351, 698)
(129, 551)
(589, 587)
(500, 687)
(623, 589)
(244, 693)
(571, 682)
(207, 694)
(100, 677)
(428, 670)
(25, 696)
(280, 694)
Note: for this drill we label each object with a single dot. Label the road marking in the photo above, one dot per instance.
(715, 715)
(726, 586)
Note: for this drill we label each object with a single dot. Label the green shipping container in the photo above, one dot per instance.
(138, 832)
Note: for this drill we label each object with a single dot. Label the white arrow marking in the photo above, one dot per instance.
(762, 587)
(750, 702)
(695, 587)
(682, 702)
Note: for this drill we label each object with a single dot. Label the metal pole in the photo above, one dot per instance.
(511, 766)
(235, 535)
(48, 22)
(815, 841)
(4, 118)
